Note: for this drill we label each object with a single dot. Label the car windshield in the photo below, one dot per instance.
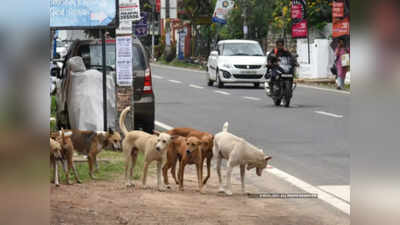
(95, 53)
(242, 49)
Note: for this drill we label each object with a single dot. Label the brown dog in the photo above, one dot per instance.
(207, 141)
(191, 154)
(174, 150)
(91, 143)
(55, 155)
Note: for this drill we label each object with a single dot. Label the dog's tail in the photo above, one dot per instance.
(225, 127)
(122, 120)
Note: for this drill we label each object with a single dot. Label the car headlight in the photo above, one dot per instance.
(228, 66)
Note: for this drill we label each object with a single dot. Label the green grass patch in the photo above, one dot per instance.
(108, 170)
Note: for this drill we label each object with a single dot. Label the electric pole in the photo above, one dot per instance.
(152, 28)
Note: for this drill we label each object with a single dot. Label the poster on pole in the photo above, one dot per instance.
(300, 29)
(124, 61)
(129, 10)
(83, 14)
(222, 8)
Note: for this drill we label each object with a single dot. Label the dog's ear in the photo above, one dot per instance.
(174, 137)
(110, 131)
(156, 132)
(266, 158)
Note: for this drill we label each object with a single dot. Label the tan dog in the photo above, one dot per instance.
(154, 148)
(238, 152)
(174, 150)
(191, 154)
(207, 141)
(66, 157)
(91, 143)
(55, 155)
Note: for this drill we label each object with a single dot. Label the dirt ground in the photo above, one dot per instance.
(110, 202)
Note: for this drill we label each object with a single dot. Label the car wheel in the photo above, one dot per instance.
(277, 102)
(256, 85)
(220, 84)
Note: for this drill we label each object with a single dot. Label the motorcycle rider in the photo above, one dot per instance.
(280, 60)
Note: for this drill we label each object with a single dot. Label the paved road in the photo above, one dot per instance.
(308, 141)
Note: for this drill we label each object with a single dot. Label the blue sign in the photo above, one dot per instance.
(141, 26)
(79, 14)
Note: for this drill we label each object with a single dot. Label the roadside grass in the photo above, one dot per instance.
(112, 168)
(53, 113)
(182, 64)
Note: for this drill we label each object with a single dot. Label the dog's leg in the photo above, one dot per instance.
(76, 174)
(95, 163)
(181, 173)
(173, 172)
(208, 170)
(165, 174)
(133, 164)
(242, 173)
(145, 168)
(228, 189)
(199, 168)
(90, 161)
(159, 185)
(55, 168)
(219, 161)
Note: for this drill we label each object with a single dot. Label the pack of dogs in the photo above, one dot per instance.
(182, 146)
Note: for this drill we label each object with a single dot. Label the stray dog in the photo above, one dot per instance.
(192, 154)
(238, 152)
(55, 155)
(206, 140)
(91, 143)
(66, 157)
(154, 148)
(174, 150)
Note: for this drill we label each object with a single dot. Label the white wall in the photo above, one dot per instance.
(321, 58)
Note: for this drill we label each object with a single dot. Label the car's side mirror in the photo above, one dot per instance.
(55, 72)
(214, 53)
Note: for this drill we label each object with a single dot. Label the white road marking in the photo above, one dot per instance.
(252, 98)
(195, 86)
(323, 89)
(341, 191)
(175, 81)
(222, 92)
(163, 125)
(158, 77)
(323, 195)
(329, 114)
(177, 68)
(329, 198)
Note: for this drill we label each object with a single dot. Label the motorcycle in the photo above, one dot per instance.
(279, 83)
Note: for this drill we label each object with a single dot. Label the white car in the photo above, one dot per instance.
(237, 61)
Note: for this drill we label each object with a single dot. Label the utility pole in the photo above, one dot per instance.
(152, 28)
(245, 27)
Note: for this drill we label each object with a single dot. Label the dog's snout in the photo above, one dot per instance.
(188, 151)
(158, 148)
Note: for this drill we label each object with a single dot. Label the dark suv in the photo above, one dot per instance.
(143, 96)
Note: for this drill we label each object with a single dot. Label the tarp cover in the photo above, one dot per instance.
(85, 100)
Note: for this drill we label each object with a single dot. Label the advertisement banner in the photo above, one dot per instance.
(141, 26)
(129, 10)
(341, 27)
(83, 14)
(337, 9)
(222, 8)
(300, 29)
(297, 11)
(124, 61)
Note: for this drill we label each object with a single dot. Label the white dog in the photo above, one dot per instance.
(153, 146)
(238, 152)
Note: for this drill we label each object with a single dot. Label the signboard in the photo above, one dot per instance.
(341, 27)
(338, 9)
(297, 11)
(299, 30)
(158, 6)
(222, 8)
(124, 61)
(141, 26)
(129, 10)
(125, 27)
(83, 14)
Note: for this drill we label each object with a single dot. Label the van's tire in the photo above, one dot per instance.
(210, 82)
(287, 102)
(220, 84)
